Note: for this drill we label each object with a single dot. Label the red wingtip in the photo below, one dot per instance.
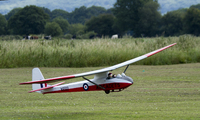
(159, 50)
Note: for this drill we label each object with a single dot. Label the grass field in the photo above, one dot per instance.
(169, 92)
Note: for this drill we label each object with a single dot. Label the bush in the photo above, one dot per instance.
(88, 35)
(11, 37)
(53, 29)
(67, 36)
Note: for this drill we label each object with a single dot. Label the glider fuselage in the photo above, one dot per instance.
(118, 83)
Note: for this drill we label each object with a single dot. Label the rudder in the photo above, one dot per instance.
(37, 75)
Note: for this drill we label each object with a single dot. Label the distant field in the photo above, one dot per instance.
(159, 92)
(98, 52)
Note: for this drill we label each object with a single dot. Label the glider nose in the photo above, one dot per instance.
(129, 79)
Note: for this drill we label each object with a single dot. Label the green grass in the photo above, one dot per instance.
(159, 92)
(98, 52)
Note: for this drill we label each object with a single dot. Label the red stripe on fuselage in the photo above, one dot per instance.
(110, 86)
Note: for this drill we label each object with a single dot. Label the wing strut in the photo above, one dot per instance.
(126, 69)
(94, 83)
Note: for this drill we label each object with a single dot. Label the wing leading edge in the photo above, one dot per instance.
(100, 70)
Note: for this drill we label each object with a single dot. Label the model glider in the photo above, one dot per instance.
(103, 80)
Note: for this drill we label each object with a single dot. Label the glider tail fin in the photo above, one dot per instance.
(37, 75)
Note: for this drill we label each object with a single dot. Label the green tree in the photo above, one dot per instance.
(149, 20)
(78, 15)
(82, 14)
(53, 29)
(109, 11)
(11, 13)
(196, 6)
(63, 23)
(192, 21)
(95, 11)
(128, 14)
(58, 12)
(172, 23)
(46, 10)
(181, 11)
(3, 25)
(102, 24)
(29, 20)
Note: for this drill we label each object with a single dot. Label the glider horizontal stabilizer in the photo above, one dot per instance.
(46, 87)
(101, 70)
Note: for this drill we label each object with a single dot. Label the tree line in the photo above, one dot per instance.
(138, 18)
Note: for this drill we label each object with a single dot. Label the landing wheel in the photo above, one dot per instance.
(107, 91)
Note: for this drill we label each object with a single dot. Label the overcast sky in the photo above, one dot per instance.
(69, 5)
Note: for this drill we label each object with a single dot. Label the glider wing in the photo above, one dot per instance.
(101, 70)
